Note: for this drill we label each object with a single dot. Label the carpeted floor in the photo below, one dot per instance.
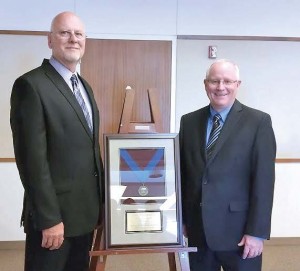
(282, 254)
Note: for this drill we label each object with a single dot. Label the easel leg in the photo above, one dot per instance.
(97, 263)
(101, 261)
(172, 262)
(184, 261)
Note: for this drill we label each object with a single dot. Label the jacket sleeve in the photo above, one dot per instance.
(262, 180)
(30, 145)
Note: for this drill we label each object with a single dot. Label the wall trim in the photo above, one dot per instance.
(215, 37)
(287, 160)
(19, 32)
(179, 37)
(7, 160)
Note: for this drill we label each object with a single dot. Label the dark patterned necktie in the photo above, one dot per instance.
(81, 102)
(214, 134)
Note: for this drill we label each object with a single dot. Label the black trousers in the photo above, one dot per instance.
(208, 260)
(73, 255)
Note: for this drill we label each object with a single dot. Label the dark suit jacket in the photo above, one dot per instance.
(235, 186)
(57, 156)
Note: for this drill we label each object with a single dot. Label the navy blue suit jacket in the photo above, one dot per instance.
(230, 194)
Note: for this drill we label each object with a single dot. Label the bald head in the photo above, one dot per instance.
(63, 17)
(67, 39)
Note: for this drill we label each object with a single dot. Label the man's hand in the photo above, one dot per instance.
(53, 237)
(253, 246)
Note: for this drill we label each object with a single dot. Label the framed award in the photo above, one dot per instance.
(143, 200)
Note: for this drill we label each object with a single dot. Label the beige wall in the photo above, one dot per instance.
(269, 71)
(165, 20)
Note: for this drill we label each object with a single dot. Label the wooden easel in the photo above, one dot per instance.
(127, 126)
(99, 253)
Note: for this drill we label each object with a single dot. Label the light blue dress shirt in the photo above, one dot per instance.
(66, 75)
(223, 114)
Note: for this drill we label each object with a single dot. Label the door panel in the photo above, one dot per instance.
(111, 65)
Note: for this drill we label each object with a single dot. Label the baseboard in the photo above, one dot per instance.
(283, 241)
(12, 245)
(274, 241)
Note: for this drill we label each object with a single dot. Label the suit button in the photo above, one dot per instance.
(201, 204)
(204, 181)
(95, 174)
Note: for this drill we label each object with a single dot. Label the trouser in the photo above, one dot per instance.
(73, 255)
(208, 260)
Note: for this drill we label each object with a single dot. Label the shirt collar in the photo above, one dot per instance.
(61, 69)
(223, 113)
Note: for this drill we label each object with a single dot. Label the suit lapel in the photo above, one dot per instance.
(199, 131)
(203, 131)
(64, 89)
(95, 113)
(228, 128)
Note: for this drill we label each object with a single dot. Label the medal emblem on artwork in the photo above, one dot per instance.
(142, 171)
(143, 190)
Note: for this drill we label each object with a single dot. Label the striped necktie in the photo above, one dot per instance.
(214, 134)
(81, 102)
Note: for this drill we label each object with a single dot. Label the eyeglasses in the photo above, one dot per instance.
(218, 82)
(66, 34)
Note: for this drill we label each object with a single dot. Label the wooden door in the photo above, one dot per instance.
(112, 65)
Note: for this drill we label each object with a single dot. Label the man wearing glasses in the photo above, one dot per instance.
(227, 172)
(55, 125)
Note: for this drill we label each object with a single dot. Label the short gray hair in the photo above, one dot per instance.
(224, 61)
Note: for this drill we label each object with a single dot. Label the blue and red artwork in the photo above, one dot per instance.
(142, 171)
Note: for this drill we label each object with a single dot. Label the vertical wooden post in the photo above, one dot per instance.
(127, 126)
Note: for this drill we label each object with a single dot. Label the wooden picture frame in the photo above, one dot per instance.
(143, 196)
